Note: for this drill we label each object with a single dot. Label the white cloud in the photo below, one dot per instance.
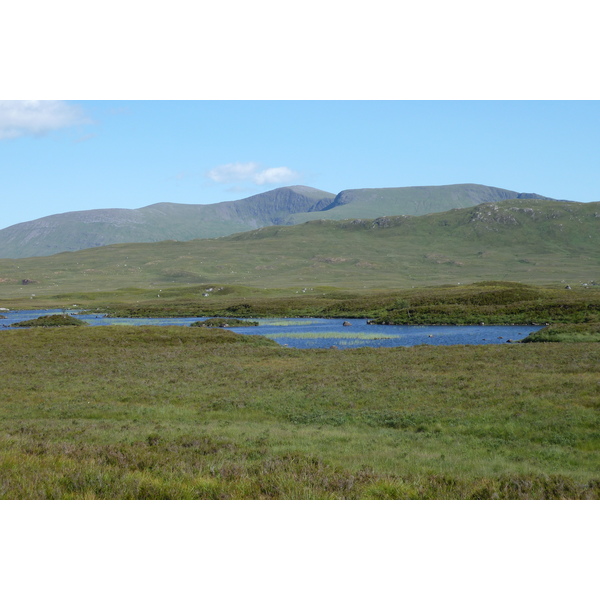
(251, 171)
(19, 118)
(275, 175)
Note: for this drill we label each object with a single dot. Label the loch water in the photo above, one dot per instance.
(322, 333)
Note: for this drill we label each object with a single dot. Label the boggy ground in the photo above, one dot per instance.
(491, 302)
(170, 412)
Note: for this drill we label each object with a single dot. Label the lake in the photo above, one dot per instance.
(325, 333)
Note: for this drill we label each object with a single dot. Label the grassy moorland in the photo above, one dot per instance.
(566, 332)
(138, 412)
(490, 302)
(171, 412)
(540, 242)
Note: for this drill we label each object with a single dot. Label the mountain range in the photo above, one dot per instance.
(292, 205)
(527, 240)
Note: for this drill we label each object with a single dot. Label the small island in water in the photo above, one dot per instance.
(51, 321)
(224, 322)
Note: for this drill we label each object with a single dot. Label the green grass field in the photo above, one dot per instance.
(171, 412)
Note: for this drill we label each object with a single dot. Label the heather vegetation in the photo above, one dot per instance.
(489, 302)
(63, 320)
(173, 412)
(587, 332)
(202, 412)
(495, 303)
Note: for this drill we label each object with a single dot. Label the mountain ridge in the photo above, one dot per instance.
(291, 205)
(415, 200)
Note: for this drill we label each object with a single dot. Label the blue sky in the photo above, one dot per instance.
(60, 156)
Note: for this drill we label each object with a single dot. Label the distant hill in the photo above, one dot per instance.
(91, 228)
(526, 240)
(182, 222)
(371, 203)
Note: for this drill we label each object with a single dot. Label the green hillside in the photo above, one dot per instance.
(92, 228)
(531, 241)
(422, 200)
(283, 206)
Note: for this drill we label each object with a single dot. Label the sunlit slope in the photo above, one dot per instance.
(92, 228)
(371, 203)
(529, 240)
(282, 206)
